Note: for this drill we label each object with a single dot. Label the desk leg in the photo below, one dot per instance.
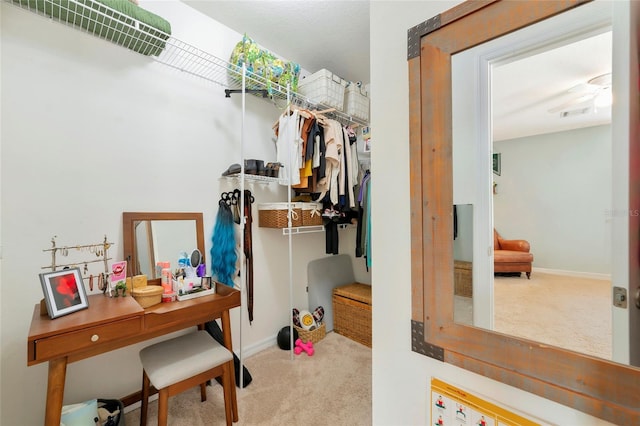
(55, 391)
(226, 333)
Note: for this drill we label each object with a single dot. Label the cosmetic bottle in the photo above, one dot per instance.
(166, 277)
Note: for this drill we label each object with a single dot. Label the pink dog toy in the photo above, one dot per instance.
(301, 346)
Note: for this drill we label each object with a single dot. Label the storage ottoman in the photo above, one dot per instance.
(352, 312)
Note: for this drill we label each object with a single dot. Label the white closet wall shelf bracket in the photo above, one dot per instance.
(302, 230)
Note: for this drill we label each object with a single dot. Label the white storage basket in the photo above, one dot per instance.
(356, 102)
(325, 88)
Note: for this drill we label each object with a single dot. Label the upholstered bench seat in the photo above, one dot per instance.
(510, 256)
(177, 364)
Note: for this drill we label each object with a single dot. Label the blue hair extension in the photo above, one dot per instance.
(223, 249)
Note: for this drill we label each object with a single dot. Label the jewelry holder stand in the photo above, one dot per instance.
(83, 258)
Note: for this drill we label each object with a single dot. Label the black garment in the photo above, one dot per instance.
(359, 250)
(317, 130)
(343, 201)
(314, 129)
(213, 329)
(331, 234)
(248, 251)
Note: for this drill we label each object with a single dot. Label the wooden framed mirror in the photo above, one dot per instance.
(596, 386)
(151, 237)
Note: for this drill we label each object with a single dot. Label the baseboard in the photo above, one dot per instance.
(592, 275)
(260, 346)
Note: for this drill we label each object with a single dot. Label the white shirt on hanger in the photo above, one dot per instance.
(288, 149)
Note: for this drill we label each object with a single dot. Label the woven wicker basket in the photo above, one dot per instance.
(352, 312)
(148, 295)
(274, 215)
(462, 278)
(314, 335)
(311, 214)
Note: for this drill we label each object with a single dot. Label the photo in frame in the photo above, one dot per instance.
(496, 163)
(64, 292)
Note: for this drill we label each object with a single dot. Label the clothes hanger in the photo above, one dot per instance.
(324, 111)
(301, 111)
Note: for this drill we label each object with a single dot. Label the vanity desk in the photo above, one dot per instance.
(112, 323)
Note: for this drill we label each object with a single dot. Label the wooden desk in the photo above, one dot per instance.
(112, 323)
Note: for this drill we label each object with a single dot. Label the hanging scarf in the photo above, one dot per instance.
(248, 251)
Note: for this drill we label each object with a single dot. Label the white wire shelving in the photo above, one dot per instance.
(93, 17)
(192, 60)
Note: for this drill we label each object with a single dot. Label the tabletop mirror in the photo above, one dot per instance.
(152, 237)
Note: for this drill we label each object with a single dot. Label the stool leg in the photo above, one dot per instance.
(163, 406)
(234, 399)
(144, 403)
(203, 392)
(226, 388)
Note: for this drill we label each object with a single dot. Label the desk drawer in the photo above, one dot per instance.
(77, 341)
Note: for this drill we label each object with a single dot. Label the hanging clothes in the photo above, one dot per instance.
(331, 237)
(348, 170)
(248, 251)
(363, 231)
(353, 165)
(306, 122)
(333, 151)
(316, 153)
(367, 238)
(288, 152)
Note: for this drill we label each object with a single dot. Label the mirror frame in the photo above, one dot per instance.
(598, 387)
(128, 231)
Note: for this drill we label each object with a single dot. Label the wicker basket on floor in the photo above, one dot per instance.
(313, 335)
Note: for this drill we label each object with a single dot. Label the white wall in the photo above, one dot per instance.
(90, 130)
(401, 377)
(566, 177)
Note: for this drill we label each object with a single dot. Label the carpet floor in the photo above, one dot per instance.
(332, 387)
(569, 312)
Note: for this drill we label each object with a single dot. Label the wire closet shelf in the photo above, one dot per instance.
(102, 21)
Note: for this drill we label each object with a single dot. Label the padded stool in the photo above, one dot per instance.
(175, 365)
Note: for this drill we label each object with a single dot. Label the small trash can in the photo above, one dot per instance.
(112, 413)
(102, 412)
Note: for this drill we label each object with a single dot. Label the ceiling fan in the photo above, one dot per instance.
(594, 94)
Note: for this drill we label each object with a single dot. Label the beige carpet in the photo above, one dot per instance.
(569, 312)
(332, 387)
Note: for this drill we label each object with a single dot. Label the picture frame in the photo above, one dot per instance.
(64, 292)
(496, 163)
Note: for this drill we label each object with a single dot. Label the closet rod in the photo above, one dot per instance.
(229, 92)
